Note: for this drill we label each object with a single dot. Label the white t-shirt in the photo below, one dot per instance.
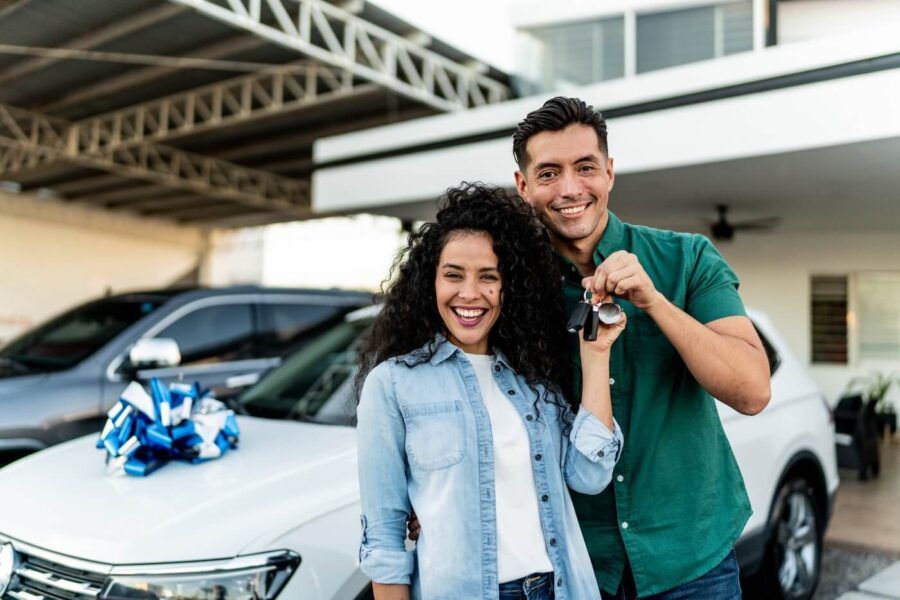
(520, 539)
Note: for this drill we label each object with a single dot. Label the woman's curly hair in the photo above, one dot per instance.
(530, 330)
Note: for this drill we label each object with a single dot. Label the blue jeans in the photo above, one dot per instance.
(722, 582)
(533, 587)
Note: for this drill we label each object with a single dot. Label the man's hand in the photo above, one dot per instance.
(622, 275)
(412, 526)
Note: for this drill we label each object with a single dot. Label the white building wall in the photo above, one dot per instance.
(775, 271)
(800, 20)
(54, 255)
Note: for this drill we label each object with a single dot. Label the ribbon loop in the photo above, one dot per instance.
(145, 431)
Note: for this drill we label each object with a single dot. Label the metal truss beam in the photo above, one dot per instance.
(15, 158)
(336, 37)
(239, 100)
(137, 77)
(97, 38)
(155, 163)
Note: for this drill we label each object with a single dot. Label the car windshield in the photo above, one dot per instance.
(73, 336)
(316, 382)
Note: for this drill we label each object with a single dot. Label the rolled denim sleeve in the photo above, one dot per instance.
(592, 453)
(381, 436)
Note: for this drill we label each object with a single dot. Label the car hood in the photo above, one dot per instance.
(284, 474)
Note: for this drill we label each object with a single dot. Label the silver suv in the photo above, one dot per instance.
(58, 380)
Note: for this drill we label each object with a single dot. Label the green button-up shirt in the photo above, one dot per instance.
(677, 502)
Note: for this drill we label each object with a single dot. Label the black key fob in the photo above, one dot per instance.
(591, 327)
(579, 317)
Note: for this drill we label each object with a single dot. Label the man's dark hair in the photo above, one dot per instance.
(557, 114)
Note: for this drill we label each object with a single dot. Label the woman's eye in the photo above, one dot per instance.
(452, 275)
(490, 277)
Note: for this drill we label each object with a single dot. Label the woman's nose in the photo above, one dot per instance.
(469, 289)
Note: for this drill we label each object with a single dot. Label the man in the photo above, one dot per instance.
(667, 525)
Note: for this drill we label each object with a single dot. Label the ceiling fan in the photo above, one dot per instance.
(722, 229)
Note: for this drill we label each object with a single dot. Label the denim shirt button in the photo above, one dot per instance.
(529, 418)
(544, 498)
(559, 582)
(601, 453)
(511, 392)
(538, 457)
(552, 541)
(496, 368)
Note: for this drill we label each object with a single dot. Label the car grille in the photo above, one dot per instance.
(41, 578)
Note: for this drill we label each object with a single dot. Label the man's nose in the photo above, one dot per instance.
(571, 186)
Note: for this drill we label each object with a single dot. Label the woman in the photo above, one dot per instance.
(463, 420)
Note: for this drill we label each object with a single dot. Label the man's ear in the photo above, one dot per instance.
(611, 173)
(521, 186)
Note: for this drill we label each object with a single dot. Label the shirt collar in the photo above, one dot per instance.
(444, 349)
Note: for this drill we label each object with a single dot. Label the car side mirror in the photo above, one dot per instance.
(153, 353)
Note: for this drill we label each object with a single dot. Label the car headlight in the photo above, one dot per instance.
(254, 577)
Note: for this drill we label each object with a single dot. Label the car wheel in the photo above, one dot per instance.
(790, 568)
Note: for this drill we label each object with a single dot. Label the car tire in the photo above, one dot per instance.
(793, 556)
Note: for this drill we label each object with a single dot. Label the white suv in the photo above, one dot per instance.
(279, 517)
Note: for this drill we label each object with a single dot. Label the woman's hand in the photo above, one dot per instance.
(606, 335)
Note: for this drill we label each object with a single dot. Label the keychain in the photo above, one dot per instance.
(588, 316)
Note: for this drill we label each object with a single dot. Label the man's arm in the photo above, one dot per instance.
(725, 356)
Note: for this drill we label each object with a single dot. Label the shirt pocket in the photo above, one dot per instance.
(435, 434)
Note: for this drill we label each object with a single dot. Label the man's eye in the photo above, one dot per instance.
(545, 175)
(587, 169)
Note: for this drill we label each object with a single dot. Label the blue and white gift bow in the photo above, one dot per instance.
(179, 422)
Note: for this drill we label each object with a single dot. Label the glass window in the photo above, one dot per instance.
(667, 39)
(672, 38)
(72, 337)
(284, 327)
(737, 27)
(572, 54)
(315, 383)
(828, 318)
(214, 334)
(877, 303)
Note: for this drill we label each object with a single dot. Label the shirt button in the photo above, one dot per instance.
(624, 524)
(529, 418)
(559, 582)
(511, 392)
(612, 381)
(544, 498)
(538, 457)
(601, 453)
(496, 368)
(552, 541)
(620, 479)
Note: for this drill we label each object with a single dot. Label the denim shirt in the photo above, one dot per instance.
(425, 445)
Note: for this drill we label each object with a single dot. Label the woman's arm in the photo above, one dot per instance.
(390, 591)
(596, 440)
(381, 435)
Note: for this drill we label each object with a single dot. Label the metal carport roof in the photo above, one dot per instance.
(204, 111)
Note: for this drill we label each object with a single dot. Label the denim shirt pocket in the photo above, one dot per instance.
(435, 434)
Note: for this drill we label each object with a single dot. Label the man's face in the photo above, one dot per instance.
(567, 180)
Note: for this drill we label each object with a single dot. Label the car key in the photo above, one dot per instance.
(591, 327)
(579, 317)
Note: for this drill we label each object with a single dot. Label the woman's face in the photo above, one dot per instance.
(467, 285)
